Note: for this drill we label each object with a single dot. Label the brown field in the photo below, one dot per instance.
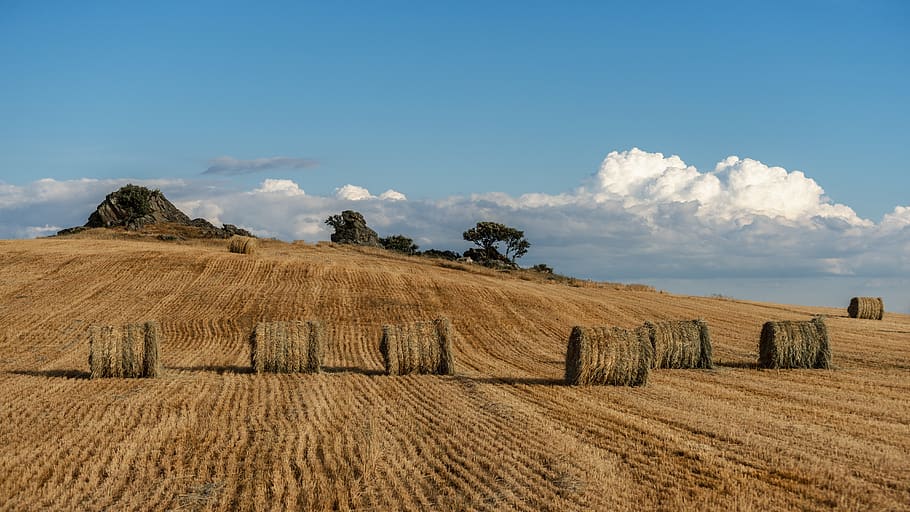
(502, 434)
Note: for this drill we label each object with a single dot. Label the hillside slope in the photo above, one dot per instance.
(503, 434)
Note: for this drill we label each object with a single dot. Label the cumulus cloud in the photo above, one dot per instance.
(37, 231)
(393, 195)
(898, 219)
(284, 187)
(208, 210)
(230, 166)
(353, 193)
(738, 190)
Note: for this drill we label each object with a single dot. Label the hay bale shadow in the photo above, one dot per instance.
(747, 365)
(222, 369)
(352, 369)
(514, 381)
(65, 374)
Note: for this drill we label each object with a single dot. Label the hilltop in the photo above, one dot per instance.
(134, 208)
(504, 433)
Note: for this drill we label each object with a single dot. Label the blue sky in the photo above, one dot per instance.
(444, 100)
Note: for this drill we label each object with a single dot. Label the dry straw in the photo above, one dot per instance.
(680, 344)
(419, 347)
(794, 344)
(286, 347)
(129, 351)
(870, 308)
(608, 355)
(243, 244)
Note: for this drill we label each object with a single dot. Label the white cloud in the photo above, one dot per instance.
(36, 231)
(737, 191)
(285, 187)
(898, 219)
(198, 208)
(353, 193)
(393, 195)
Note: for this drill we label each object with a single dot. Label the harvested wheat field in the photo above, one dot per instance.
(504, 433)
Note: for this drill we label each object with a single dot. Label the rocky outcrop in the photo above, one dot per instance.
(135, 207)
(351, 228)
(208, 230)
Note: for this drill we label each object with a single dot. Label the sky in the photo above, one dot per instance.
(750, 149)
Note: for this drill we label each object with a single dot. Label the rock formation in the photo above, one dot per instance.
(135, 207)
(351, 228)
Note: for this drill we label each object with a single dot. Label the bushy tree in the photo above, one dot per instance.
(335, 222)
(399, 243)
(488, 235)
(136, 200)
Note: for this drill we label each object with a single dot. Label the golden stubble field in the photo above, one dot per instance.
(503, 434)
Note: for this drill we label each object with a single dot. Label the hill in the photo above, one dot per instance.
(503, 434)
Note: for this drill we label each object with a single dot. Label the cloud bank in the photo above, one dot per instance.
(640, 215)
(230, 166)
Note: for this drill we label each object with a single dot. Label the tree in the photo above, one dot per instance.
(399, 243)
(488, 236)
(335, 221)
(135, 200)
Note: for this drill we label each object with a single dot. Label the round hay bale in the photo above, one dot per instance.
(795, 344)
(243, 244)
(104, 353)
(286, 347)
(869, 308)
(680, 344)
(608, 355)
(151, 365)
(128, 351)
(418, 347)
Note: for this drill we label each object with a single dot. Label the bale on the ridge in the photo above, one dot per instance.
(418, 347)
(680, 344)
(795, 344)
(128, 351)
(870, 308)
(286, 347)
(242, 244)
(608, 355)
